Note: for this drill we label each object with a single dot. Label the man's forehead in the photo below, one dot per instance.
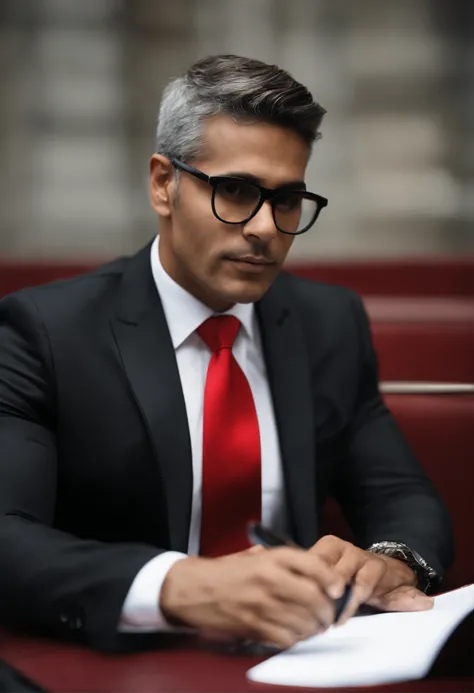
(257, 149)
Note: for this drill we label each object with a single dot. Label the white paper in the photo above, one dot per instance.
(370, 650)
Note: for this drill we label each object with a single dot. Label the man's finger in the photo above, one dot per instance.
(258, 548)
(330, 548)
(215, 635)
(367, 576)
(300, 621)
(354, 562)
(403, 599)
(303, 593)
(313, 567)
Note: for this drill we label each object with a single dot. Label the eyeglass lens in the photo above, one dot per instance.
(235, 201)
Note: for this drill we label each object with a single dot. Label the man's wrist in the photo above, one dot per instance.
(408, 575)
(425, 577)
(172, 596)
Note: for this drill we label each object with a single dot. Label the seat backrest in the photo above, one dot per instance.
(423, 338)
(437, 276)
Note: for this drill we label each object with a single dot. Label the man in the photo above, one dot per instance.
(152, 409)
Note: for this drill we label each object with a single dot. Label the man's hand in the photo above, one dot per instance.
(277, 596)
(379, 581)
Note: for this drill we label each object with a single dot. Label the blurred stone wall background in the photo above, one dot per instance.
(80, 87)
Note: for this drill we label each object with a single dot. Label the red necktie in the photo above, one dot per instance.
(231, 465)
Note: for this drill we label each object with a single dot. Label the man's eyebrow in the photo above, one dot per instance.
(300, 184)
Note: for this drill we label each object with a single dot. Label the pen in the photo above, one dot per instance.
(266, 537)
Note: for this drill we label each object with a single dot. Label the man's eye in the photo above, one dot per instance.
(288, 202)
(233, 189)
(238, 191)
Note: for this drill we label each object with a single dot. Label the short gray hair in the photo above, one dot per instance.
(247, 90)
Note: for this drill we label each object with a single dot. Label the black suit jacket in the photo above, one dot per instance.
(95, 454)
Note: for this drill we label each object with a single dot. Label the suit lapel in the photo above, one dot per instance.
(289, 375)
(149, 360)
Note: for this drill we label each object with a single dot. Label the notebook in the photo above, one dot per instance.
(370, 650)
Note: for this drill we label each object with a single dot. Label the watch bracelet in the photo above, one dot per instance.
(426, 576)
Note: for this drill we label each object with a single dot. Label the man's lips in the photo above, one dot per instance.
(252, 260)
(251, 265)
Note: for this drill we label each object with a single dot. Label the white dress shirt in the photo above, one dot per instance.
(184, 314)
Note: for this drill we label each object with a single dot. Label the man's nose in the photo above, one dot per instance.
(262, 224)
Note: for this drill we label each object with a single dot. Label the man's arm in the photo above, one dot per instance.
(383, 490)
(50, 581)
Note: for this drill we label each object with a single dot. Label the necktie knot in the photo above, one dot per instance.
(219, 332)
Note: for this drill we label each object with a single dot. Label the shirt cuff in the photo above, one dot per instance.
(141, 612)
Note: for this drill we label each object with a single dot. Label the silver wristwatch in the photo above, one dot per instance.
(427, 578)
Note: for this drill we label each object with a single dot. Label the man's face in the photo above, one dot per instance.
(196, 249)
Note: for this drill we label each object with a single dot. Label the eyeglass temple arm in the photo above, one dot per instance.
(189, 169)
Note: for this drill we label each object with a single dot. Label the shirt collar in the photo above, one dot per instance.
(184, 313)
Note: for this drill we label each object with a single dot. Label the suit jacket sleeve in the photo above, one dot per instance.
(383, 490)
(50, 581)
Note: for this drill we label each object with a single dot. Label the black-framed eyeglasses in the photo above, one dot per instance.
(236, 200)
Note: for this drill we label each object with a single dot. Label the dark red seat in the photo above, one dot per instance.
(433, 276)
(429, 339)
(18, 275)
(440, 430)
(425, 276)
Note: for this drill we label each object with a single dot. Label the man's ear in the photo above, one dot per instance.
(162, 184)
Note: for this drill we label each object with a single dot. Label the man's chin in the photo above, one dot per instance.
(245, 292)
